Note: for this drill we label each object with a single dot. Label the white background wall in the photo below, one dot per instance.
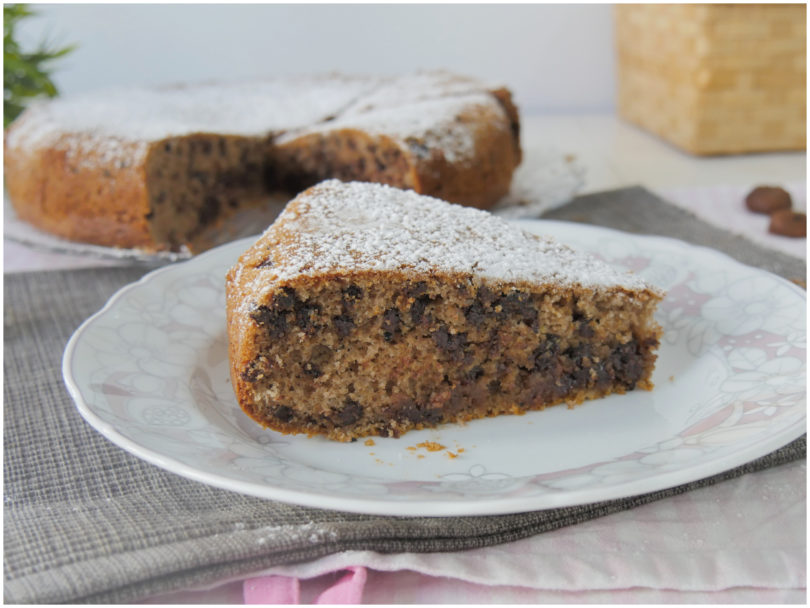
(555, 58)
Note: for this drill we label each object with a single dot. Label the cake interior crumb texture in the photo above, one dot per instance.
(369, 310)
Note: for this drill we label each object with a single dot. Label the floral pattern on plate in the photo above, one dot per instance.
(150, 372)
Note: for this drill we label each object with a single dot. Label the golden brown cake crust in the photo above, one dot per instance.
(84, 173)
(366, 310)
(96, 204)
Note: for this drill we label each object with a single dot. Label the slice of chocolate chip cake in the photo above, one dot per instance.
(369, 310)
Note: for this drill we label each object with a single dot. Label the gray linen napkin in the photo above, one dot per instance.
(85, 521)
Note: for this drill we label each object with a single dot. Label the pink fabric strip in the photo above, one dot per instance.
(287, 589)
(272, 590)
(348, 590)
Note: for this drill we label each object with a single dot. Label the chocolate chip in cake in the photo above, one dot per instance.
(516, 303)
(285, 300)
(209, 210)
(283, 413)
(767, 199)
(344, 325)
(474, 373)
(274, 320)
(253, 371)
(390, 324)
(627, 363)
(476, 313)
(417, 310)
(546, 356)
(305, 315)
(310, 369)
(449, 343)
(414, 290)
(353, 292)
(408, 410)
(787, 222)
(583, 325)
(349, 414)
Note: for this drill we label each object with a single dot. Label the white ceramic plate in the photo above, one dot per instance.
(150, 372)
(240, 225)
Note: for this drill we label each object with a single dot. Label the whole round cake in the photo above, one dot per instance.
(150, 168)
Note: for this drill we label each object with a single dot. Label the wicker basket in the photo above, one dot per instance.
(715, 79)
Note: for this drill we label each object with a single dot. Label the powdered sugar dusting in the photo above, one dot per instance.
(132, 114)
(422, 105)
(414, 88)
(431, 123)
(340, 227)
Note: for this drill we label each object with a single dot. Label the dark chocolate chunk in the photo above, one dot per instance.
(485, 295)
(252, 371)
(475, 313)
(305, 315)
(474, 373)
(273, 319)
(349, 414)
(449, 343)
(310, 369)
(517, 304)
(285, 300)
(603, 377)
(283, 413)
(390, 324)
(414, 290)
(626, 362)
(209, 210)
(349, 296)
(408, 410)
(353, 292)
(418, 307)
(584, 329)
(344, 325)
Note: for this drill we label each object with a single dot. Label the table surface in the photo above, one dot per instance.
(614, 155)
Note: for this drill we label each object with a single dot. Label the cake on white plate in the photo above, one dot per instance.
(369, 310)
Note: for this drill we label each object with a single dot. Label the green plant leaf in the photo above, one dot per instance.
(26, 75)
